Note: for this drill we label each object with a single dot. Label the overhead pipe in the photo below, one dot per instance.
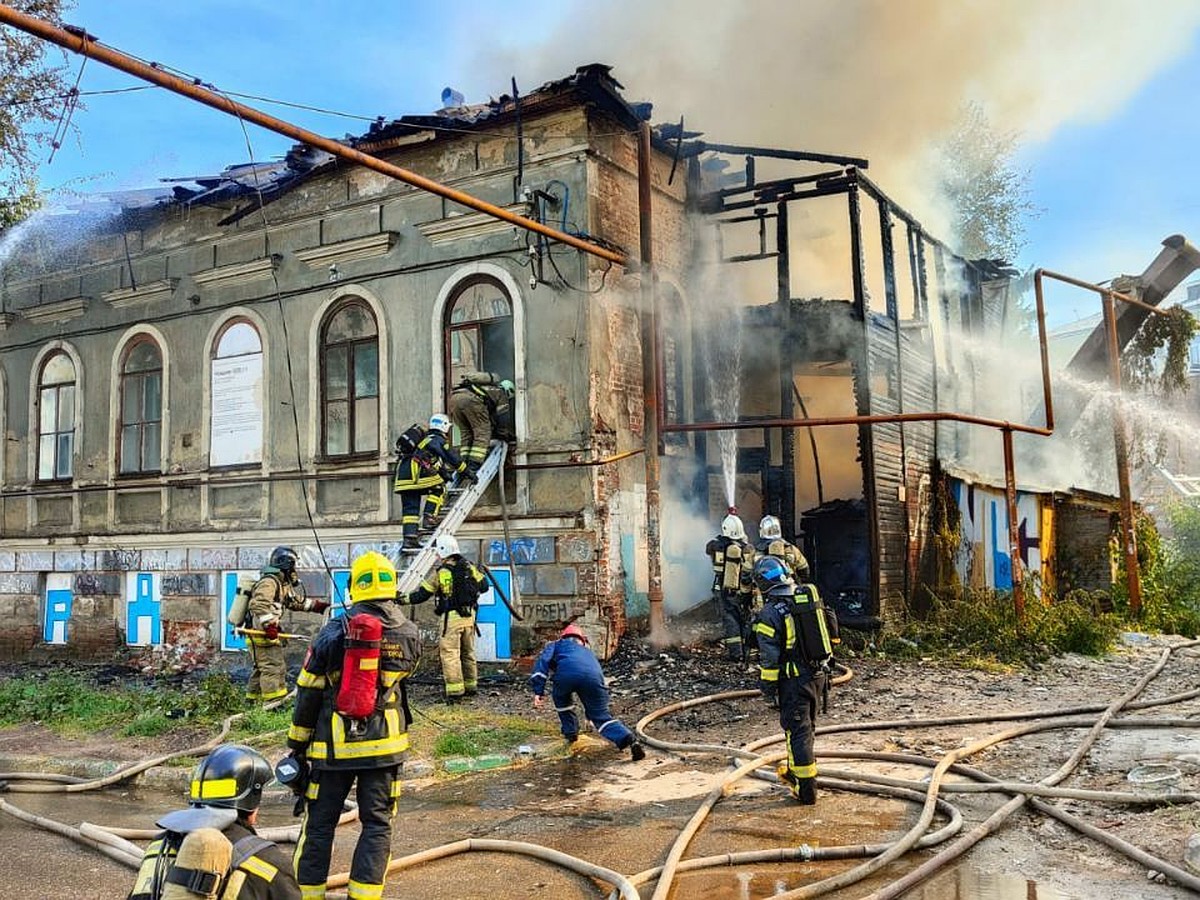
(78, 41)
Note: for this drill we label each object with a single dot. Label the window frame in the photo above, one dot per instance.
(57, 388)
(351, 399)
(449, 329)
(214, 354)
(156, 467)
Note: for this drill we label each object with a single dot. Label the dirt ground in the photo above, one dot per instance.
(1030, 848)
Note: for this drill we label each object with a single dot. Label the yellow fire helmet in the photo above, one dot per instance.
(372, 577)
(231, 776)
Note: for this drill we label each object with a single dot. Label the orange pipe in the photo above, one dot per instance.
(85, 45)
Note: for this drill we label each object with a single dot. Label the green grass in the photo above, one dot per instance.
(980, 629)
(70, 705)
(465, 731)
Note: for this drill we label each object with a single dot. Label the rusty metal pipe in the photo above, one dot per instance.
(1133, 582)
(1099, 289)
(861, 420)
(110, 57)
(578, 463)
(1047, 399)
(1014, 534)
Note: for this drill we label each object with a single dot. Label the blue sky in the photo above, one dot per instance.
(1112, 182)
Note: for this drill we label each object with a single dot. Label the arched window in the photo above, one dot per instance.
(236, 422)
(479, 330)
(350, 381)
(56, 418)
(141, 408)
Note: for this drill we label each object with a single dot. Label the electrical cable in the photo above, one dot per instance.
(287, 353)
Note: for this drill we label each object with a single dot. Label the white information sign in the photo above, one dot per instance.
(237, 411)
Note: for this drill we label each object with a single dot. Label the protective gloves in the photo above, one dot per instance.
(271, 631)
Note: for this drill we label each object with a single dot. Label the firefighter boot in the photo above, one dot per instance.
(805, 790)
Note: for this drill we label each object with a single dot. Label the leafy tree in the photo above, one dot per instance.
(989, 195)
(33, 82)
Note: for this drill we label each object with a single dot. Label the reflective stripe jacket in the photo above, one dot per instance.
(264, 874)
(331, 741)
(788, 553)
(456, 583)
(430, 465)
(729, 574)
(270, 596)
(568, 659)
(776, 628)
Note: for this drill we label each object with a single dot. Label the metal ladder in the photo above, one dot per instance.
(460, 500)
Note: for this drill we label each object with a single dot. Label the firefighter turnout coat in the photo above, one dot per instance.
(328, 740)
(259, 870)
(794, 651)
(455, 587)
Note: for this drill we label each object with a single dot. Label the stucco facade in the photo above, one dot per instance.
(248, 449)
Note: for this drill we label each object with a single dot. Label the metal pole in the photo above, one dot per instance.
(1133, 581)
(110, 57)
(862, 389)
(1014, 533)
(787, 379)
(650, 384)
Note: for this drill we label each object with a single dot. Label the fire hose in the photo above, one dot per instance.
(112, 841)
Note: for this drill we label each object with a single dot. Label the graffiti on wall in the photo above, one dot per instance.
(983, 558)
(143, 609)
(59, 600)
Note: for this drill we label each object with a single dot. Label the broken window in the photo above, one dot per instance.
(141, 408)
(350, 381)
(479, 330)
(56, 418)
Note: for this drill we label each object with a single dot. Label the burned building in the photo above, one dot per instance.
(196, 374)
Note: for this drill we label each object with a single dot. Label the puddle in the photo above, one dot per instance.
(969, 884)
(962, 883)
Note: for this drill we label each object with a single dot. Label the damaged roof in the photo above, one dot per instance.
(593, 84)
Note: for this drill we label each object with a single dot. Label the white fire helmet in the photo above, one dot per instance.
(733, 528)
(446, 545)
(769, 527)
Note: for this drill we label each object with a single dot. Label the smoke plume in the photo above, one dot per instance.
(873, 78)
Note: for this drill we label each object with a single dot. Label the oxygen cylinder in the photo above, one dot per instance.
(240, 606)
(360, 667)
(200, 866)
(732, 577)
(812, 626)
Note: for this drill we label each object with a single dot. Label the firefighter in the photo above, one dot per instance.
(278, 588)
(456, 583)
(573, 671)
(481, 407)
(225, 794)
(794, 655)
(733, 564)
(421, 476)
(771, 543)
(333, 749)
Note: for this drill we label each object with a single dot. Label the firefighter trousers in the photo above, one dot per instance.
(734, 624)
(456, 649)
(470, 414)
(798, 700)
(594, 697)
(377, 793)
(410, 506)
(268, 674)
